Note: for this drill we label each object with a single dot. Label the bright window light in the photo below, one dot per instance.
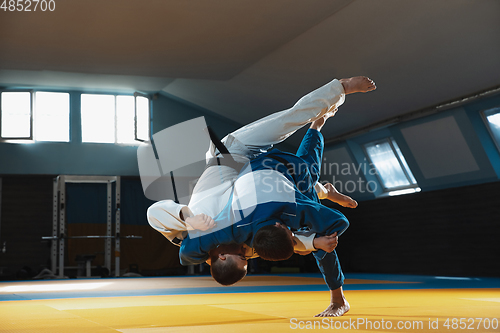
(405, 191)
(98, 118)
(16, 115)
(403, 162)
(493, 120)
(115, 119)
(51, 117)
(53, 287)
(125, 114)
(391, 165)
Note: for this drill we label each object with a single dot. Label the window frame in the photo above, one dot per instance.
(484, 115)
(138, 94)
(381, 181)
(32, 107)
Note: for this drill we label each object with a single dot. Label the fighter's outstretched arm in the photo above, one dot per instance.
(329, 266)
(173, 220)
(326, 243)
(196, 222)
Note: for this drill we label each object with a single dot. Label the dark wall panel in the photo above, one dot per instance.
(26, 217)
(153, 253)
(452, 232)
(150, 254)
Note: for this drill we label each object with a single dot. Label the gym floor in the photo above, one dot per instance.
(270, 303)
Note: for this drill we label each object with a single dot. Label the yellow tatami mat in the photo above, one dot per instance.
(398, 310)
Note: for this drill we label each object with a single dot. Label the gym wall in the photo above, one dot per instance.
(450, 232)
(27, 217)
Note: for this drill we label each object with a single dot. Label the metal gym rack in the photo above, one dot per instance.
(59, 221)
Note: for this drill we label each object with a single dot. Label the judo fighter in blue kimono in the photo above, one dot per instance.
(270, 207)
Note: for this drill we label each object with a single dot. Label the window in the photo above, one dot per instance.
(98, 118)
(39, 116)
(492, 117)
(51, 116)
(392, 169)
(142, 115)
(16, 115)
(115, 118)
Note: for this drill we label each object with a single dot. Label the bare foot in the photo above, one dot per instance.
(335, 310)
(358, 84)
(341, 199)
(338, 304)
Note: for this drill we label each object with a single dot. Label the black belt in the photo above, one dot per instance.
(228, 160)
(225, 162)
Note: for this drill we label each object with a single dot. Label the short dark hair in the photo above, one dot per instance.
(226, 272)
(273, 243)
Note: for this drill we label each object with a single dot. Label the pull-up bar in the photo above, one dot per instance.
(85, 237)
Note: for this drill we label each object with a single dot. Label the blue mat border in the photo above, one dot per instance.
(409, 282)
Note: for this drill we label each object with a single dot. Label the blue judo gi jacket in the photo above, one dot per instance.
(306, 212)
